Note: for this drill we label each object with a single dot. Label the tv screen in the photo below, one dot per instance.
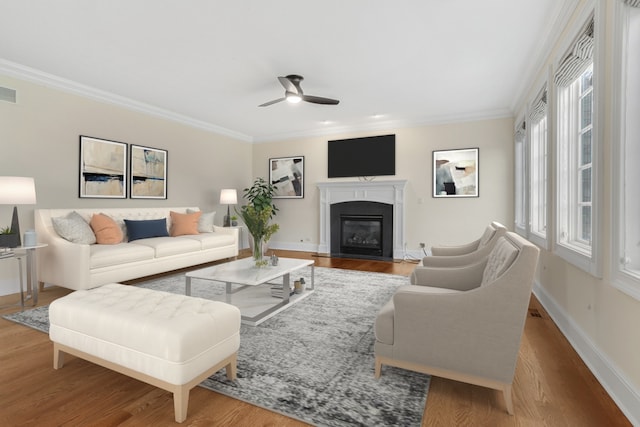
(370, 156)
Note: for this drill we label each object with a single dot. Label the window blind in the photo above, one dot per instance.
(521, 132)
(539, 107)
(578, 58)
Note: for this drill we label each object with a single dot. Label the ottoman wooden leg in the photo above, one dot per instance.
(181, 403)
(58, 357)
(232, 368)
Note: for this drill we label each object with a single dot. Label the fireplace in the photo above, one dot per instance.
(389, 192)
(362, 229)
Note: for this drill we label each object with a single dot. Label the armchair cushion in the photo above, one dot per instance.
(500, 259)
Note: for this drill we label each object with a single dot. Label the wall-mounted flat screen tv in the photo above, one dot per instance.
(370, 156)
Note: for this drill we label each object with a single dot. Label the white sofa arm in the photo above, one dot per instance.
(63, 263)
(234, 231)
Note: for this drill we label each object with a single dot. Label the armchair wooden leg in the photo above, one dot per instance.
(378, 369)
(508, 398)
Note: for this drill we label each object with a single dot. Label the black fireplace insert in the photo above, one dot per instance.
(362, 229)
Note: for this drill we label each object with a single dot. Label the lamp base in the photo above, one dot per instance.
(15, 227)
(227, 218)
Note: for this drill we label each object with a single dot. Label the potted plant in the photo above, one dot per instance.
(234, 220)
(8, 239)
(257, 214)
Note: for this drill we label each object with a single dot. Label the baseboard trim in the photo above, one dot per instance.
(294, 246)
(604, 369)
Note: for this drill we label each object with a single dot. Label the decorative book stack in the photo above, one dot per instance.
(276, 291)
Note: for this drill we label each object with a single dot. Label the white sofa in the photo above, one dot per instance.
(83, 266)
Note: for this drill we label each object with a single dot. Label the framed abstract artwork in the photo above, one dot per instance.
(103, 168)
(148, 173)
(455, 173)
(286, 174)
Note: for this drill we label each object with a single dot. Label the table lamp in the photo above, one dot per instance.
(17, 190)
(228, 196)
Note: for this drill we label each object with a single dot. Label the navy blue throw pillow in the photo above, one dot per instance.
(147, 228)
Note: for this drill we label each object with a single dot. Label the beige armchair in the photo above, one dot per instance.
(485, 242)
(462, 323)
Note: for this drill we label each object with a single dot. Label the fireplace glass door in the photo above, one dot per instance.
(361, 234)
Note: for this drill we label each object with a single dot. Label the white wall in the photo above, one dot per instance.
(39, 137)
(598, 319)
(429, 220)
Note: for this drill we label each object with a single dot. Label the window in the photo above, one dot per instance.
(576, 159)
(538, 159)
(521, 180)
(626, 219)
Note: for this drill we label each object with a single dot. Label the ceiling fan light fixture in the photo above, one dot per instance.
(293, 93)
(293, 98)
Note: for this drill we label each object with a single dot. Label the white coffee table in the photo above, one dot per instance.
(243, 273)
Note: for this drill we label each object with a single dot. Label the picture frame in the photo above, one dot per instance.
(148, 179)
(286, 174)
(455, 173)
(103, 168)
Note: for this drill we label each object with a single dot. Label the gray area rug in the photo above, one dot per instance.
(314, 361)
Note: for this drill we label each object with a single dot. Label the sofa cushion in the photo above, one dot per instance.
(123, 253)
(146, 229)
(74, 228)
(106, 230)
(212, 240)
(205, 223)
(182, 224)
(167, 246)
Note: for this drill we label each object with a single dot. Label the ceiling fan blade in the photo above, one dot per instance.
(320, 100)
(275, 101)
(289, 86)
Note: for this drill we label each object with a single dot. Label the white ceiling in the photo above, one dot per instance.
(212, 62)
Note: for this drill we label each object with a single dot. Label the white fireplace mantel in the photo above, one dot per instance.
(391, 192)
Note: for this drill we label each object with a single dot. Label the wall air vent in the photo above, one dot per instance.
(7, 94)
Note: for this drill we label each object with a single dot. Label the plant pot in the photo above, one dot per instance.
(9, 240)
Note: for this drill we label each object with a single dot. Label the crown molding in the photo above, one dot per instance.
(22, 72)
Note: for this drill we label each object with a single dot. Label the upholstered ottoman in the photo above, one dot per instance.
(168, 340)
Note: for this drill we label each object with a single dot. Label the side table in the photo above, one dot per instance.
(29, 252)
(8, 255)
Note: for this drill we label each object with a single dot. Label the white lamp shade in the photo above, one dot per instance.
(228, 196)
(17, 190)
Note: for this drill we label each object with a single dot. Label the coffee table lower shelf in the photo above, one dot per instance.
(255, 314)
(249, 288)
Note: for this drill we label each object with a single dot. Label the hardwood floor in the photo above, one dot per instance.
(552, 385)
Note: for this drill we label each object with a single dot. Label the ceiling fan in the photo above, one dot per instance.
(293, 93)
